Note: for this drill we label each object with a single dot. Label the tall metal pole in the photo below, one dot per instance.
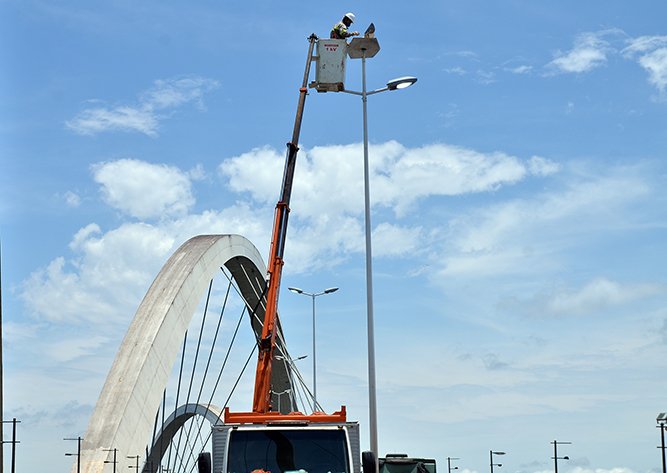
(78, 455)
(662, 426)
(555, 457)
(372, 396)
(2, 410)
(449, 464)
(314, 358)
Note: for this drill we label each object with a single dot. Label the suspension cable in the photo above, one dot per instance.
(238, 379)
(178, 389)
(208, 362)
(194, 363)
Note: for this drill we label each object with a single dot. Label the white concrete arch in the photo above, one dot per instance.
(124, 415)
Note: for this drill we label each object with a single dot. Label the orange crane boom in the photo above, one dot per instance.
(262, 394)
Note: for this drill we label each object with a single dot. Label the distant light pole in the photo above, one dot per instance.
(367, 48)
(662, 425)
(449, 464)
(77, 454)
(136, 465)
(13, 441)
(556, 457)
(114, 462)
(296, 290)
(491, 454)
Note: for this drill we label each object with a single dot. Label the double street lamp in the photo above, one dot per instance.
(449, 464)
(556, 457)
(296, 290)
(491, 454)
(77, 454)
(363, 48)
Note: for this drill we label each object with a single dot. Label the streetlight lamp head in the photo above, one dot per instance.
(499, 453)
(330, 290)
(662, 417)
(566, 457)
(296, 290)
(401, 83)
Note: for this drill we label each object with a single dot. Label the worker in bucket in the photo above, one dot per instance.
(339, 31)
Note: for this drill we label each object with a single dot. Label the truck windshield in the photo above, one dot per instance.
(288, 450)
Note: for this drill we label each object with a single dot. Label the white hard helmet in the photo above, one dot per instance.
(350, 16)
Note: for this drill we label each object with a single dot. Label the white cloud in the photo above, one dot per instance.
(122, 118)
(459, 71)
(106, 279)
(64, 350)
(540, 166)
(143, 190)
(595, 297)
(72, 199)
(651, 54)
(399, 176)
(109, 269)
(394, 240)
(589, 52)
(525, 69)
(522, 236)
(145, 116)
(598, 295)
(601, 470)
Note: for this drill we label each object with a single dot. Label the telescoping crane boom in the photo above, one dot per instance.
(261, 406)
(262, 397)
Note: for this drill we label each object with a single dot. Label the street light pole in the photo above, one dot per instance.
(449, 464)
(491, 454)
(136, 465)
(114, 461)
(556, 457)
(13, 441)
(662, 425)
(296, 290)
(367, 48)
(77, 454)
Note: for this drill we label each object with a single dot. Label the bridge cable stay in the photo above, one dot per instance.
(192, 442)
(178, 389)
(238, 379)
(194, 362)
(208, 364)
(210, 356)
(226, 358)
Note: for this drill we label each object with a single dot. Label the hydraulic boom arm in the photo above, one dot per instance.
(262, 396)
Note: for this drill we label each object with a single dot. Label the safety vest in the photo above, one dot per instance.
(339, 31)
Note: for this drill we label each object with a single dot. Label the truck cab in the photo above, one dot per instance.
(286, 448)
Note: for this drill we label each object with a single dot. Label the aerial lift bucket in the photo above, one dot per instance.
(330, 70)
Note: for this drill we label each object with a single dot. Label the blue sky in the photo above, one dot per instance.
(518, 210)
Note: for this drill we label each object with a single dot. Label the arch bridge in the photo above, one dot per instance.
(131, 421)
